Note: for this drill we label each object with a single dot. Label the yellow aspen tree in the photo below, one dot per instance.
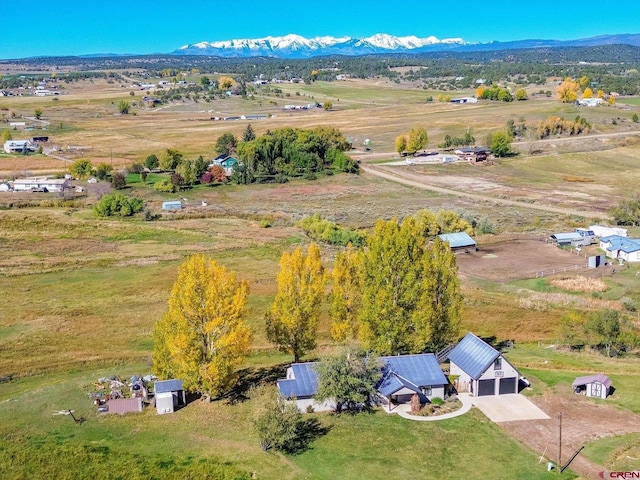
(203, 337)
(292, 320)
(600, 94)
(568, 90)
(225, 83)
(346, 295)
(401, 143)
(417, 139)
(588, 93)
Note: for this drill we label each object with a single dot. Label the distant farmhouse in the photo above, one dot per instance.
(41, 185)
(473, 154)
(624, 248)
(19, 146)
(227, 162)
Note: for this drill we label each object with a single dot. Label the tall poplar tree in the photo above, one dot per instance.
(346, 295)
(292, 320)
(442, 300)
(203, 337)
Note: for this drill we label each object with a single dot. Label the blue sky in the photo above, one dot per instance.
(75, 27)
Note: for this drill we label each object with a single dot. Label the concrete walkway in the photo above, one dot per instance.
(463, 397)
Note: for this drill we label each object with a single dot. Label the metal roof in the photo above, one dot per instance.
(624, 244)
(598, 377)
(473, 355)
(124, 405)
(411, 371)
(457, 240)
(172, 385)
(304, 382)
(567, 237)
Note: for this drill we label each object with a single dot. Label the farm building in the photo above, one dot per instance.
(464, 100)
(404, 376)
(481, 369)
(573, 239)
(459, 241)
(473, 154)
(169, 395)
(624, 248)
(226, 162)
(600, 231)
(172, 205)
(19, 146)
(41, 185)
(598, 385)
(124, 405)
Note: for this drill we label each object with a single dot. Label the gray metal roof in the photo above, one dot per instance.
(566, 237)
(473, 355)
(304, 384)
(162, 386)
(598, 377)
(457, 240)
(411, 371)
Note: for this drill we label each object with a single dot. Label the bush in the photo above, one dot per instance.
(265, 223)
(118, 205)
(164, 185)
(326, 231)
(437, 401)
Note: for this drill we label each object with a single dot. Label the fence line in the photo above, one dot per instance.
(554, 271)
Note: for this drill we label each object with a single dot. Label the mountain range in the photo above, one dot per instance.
(296, 46)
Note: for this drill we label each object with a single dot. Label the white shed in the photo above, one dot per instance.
(169, 395)
(598, 385)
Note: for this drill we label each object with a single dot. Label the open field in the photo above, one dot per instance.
(80, 295)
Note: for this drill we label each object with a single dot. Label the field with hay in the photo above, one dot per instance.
(80, 295)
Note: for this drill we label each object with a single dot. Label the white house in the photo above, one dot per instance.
(627, 249)
(601, 231)
(19, 146)
(41, 185)
(480, 369)
(598, 385)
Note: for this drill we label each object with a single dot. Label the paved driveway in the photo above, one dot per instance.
(507, 408)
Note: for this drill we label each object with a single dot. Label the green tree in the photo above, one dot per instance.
(123, 107)
(634, 118)
(327, 105)
(500, 145)
(81, 168)
(170, 160)
(103, 170)
(117, 205)
(187, 169)
(203, 337)
(151, 162)
(572, 329)
(451, 222)
(164, 185)
(276, 420)
(627, 212)
(6, 136)
(248, 134)
(417, 139)
(521, 94)
(226, 144)
(37, 113)
(292, 320)
(390, 320)
(205, 81)
(347, 379)
(442, 298)
(346, 295)
(603, 329)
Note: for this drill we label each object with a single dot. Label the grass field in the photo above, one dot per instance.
(80, 295)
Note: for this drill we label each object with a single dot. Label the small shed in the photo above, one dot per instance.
(169, 395)
(598, 385)
(172, 205)
(459, 241)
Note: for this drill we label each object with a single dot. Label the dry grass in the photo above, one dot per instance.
(579, 283)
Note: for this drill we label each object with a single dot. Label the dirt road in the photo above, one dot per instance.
(412, 180)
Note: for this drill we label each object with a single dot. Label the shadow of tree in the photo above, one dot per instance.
(308, 430)
(252, 377)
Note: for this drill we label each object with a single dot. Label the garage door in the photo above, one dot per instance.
(507, 385)
(486, 387)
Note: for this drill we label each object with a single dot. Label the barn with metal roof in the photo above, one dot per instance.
(458, 240)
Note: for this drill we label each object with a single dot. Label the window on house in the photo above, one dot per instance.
(426, 391)
(497, 365)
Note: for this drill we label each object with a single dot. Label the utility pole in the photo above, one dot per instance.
(560, 442)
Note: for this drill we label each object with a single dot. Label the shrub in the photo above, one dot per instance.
(164, 185)
(437, 401)
(117, 205)
(265, 223)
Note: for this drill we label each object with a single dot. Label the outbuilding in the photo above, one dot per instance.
(124, 405)
(301, 384)
(172, 205)
(478, 368)
(598, 385)
(459, 241)
(169, 395)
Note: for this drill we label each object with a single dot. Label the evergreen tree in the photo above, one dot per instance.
(248, 134)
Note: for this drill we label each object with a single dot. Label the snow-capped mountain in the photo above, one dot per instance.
(296, 46)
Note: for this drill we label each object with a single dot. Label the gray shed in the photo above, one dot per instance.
(172, 205)
(598, 385)
(169, 395)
